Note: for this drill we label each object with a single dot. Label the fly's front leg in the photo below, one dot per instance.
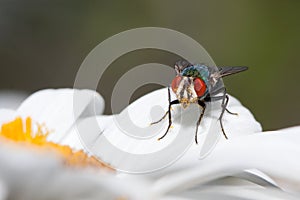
(203, 105)
(160, 118)
(167, 113)
(169, 109)
(170, 118)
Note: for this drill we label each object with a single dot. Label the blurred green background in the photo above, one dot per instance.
(42, 44)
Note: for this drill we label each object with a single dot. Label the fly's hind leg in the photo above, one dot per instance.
(224, 103)
(224, 97)
(232, 113)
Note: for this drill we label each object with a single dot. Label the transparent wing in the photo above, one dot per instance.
(225, 71)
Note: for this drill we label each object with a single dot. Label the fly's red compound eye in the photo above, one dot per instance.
(175, 83)
(199, 86)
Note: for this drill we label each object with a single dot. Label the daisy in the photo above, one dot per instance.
(250, 165)
(38, 161)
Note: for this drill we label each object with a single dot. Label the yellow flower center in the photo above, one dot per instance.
(22, 133)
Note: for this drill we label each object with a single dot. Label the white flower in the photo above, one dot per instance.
(249, 157)
(250, 165)
(26, 173)
(136, 118)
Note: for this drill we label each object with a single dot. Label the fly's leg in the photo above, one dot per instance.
(160, 118)
(227, 99)
(170, 122)
(170, 117)
(169, 109)
(167, 113)
(224, 103)
(203, 105)
(232, 113)
(216, 98)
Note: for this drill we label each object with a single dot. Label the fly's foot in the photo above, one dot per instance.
(156, 122)
(232, 113)
(224, 134)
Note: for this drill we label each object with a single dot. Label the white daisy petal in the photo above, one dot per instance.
(257, 177)
(7, 115)
(241, 124)
(130, 132)
(31, 175)
(237, 193)
(244, 178)
(243, 167)
(3, 191)
(175, 198)
(238, 125)
(274, 153)
(60, 108)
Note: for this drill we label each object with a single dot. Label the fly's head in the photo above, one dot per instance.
(188, 89)
(181, 65)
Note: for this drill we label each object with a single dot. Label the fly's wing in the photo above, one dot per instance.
(216, 84)
(225, 71)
